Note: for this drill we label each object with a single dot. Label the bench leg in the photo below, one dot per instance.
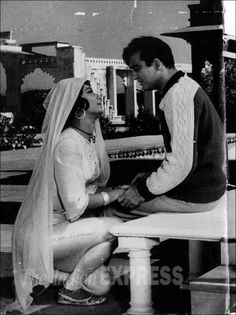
(140, 274)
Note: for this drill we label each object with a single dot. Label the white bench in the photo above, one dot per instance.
(140, 235)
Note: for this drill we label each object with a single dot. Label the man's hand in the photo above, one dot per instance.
(138, 177)
(115, 193)
(131, 198)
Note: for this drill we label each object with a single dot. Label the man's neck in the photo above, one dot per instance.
(172, 80)
(168, 74)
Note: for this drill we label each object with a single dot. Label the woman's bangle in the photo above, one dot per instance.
(106, 198)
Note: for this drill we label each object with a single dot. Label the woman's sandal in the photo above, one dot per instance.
(79, 297)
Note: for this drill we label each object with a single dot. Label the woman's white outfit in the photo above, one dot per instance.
(76, 171)
(32, 240)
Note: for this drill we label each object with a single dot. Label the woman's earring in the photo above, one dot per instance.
(82, 116)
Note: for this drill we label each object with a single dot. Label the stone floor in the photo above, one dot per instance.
(166, 301)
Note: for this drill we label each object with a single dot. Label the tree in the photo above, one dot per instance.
(230, 90)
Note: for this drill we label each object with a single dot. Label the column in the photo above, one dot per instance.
(13, 90)
(135, 99)
(140, 274)
(130, 93)
(79, 62)
(154, 102)
(219, 77)
(65, 63)
(149, 102)
(111, 87)
(198, 51)
(115, 93)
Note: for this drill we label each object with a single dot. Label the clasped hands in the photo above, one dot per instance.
(127, 195)
(131, 197)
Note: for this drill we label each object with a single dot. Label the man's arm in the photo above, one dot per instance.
(179, 114)
(178, 108)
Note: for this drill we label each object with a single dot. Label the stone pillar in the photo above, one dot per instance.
(198, 60)
(70, 62)
(210, 48)
(149, 102)
(219, 79)
(111, 87)
(79, 62)
(65, 63)
(154, 103)
(13, 89)
(130, 93)
(140, 274)
(135, 99)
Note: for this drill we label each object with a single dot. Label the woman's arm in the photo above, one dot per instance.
(71, 183)
(96, 200)
(69, 178)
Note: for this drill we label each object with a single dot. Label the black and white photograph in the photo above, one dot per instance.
(118, 157)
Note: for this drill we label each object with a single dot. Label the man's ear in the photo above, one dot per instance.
(157, 64)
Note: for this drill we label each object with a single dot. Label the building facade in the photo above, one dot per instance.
(110, 78)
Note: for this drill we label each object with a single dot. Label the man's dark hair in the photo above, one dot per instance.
(149, 48)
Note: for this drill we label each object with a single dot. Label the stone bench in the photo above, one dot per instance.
(140, 235)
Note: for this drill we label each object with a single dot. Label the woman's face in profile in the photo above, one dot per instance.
(94, 100)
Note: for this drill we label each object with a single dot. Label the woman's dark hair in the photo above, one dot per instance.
(149, 48)
(80, 102)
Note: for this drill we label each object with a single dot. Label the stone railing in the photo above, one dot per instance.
(231, 146)
(140, 147)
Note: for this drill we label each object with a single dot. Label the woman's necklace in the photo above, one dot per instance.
(92, 137)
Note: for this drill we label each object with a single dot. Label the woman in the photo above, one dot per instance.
(57, 231)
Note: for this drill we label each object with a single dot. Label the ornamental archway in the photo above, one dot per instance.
(18, 63)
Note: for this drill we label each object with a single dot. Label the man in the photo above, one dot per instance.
(191, 177)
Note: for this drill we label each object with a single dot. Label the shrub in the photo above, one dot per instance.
(230, 90)
(143, 124)
(12, 138)
(107, 128)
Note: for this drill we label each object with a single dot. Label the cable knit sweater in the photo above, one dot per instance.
(193, 134)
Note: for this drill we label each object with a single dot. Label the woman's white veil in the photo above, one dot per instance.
(32, 234)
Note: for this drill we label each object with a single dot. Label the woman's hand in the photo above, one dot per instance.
(106, 189)
(131, 198)
(115, 194)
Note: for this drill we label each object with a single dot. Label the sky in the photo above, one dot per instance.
(229, 17)
(101, 28)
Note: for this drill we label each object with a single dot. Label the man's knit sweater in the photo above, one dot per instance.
(193, 134)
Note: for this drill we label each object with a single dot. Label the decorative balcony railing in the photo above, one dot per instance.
(140, 147)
